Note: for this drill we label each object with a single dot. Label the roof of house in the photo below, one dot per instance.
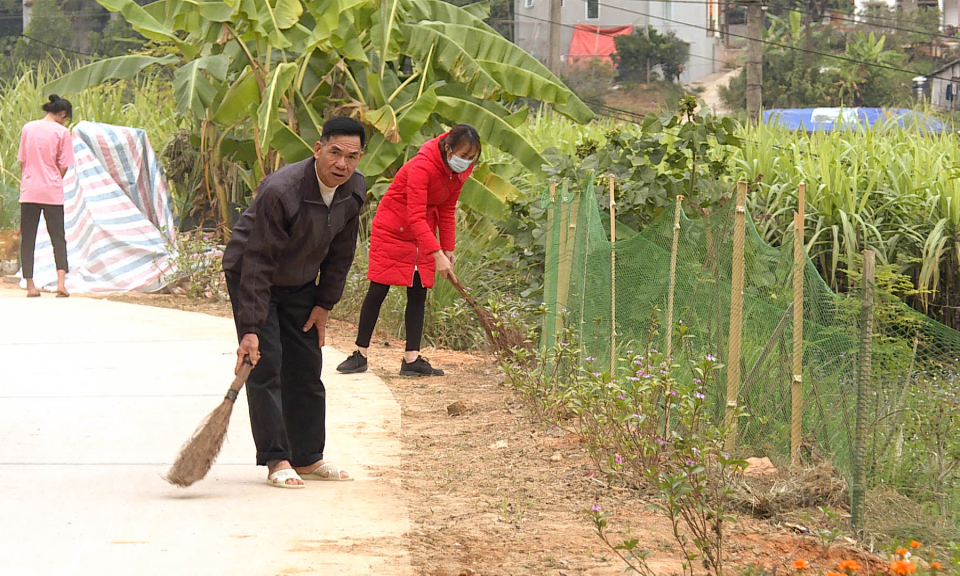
(946, 67)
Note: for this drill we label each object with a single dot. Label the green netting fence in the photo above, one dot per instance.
(909, 409)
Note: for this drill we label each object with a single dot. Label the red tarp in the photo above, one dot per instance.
(591, 42)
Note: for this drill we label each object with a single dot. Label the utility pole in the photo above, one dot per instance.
(754, 60)
(553, 62)
(27, 10)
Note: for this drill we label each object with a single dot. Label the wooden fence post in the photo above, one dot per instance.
(736, 316)
(865, 359)
(796, 424)
(673, 273)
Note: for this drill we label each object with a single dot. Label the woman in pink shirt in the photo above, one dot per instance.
(46, 151)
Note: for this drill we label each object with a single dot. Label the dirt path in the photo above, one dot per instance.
(492, 492)
(711, 89)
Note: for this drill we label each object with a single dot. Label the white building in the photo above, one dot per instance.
(695, 23)
(949, 9)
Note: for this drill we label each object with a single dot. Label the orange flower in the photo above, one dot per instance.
(914, 544)
(848, 566)
(903, 567)
(901, 551)
(800, 565)
(935, 566)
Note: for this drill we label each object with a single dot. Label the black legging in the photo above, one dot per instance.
(413, 317)
(29, 222)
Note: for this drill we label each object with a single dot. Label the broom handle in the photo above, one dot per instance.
(239, 381)
(463, 292)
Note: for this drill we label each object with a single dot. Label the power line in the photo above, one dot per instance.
(780, 45)
(608, 34)
(38, 41)
(742, 4)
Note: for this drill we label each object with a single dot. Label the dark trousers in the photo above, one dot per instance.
(286, 397)
(413, 316)
(29, 222)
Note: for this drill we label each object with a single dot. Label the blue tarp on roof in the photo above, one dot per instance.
(830, 119)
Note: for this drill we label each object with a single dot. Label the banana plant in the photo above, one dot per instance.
(259, 76)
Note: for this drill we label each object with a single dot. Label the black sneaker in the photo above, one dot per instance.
(354, 364)
(419, 367)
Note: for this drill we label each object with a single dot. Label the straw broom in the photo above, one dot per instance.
(502, 338)
(199, 452)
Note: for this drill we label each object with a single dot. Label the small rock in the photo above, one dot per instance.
(556, 457)
(457, 408)
(499, 444)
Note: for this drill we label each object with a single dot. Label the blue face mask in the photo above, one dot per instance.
(458, 164)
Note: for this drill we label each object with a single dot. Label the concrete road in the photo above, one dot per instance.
(96, 398)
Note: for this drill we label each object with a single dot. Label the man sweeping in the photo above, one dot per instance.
(303, 223)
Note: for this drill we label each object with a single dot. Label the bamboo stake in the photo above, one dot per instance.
(736, 316)
(571, 246)
(673, 272)
(863, 381)
(583, 283)
(563, 273)
(796, 424)
(550, 260)
(613, 281)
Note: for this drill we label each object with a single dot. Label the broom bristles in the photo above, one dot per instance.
(199, 452)
(504, 339)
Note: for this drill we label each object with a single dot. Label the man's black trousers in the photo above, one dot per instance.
(286, 397)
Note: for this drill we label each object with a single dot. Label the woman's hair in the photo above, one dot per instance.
(464, 134)
(58, 105)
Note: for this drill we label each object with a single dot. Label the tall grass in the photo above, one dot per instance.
(145, 102)
(894, 191)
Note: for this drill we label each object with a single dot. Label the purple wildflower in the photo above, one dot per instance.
(620, 397)
(660, 441)
(711, 357)
(699, 395)
(595, 508)
(618, 459)
(697, 381)
(589, 358)
(691, 463)
(672, 392)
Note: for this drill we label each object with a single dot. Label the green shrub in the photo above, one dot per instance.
(643, 48)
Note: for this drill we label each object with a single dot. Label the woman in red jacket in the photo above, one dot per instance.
(404, 250)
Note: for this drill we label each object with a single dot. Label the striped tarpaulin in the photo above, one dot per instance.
(119, 225)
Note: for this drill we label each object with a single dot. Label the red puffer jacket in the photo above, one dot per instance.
(421, 199)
